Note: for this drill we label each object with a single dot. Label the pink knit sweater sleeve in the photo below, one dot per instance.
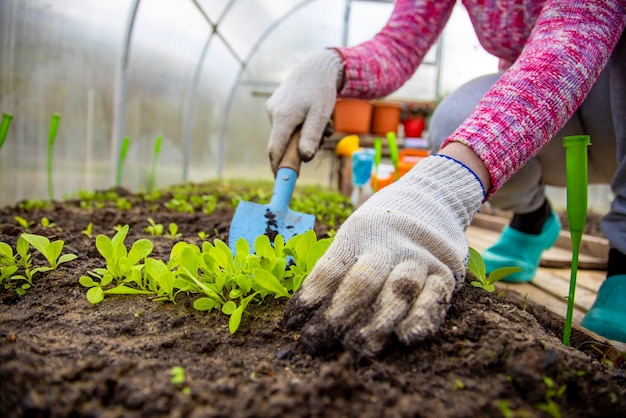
(383, 64)
(565, 47)
(569, 45)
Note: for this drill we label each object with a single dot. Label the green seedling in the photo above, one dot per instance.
(23, 260)
(8, 264)
(88, 231)
(123, 267)
(155, 158)
(154, 228)
(576, 184)
(180, 205)
(4, 127)
(476, 265)
(50, 250)
(26, 224)
(202, 235)
(120, 160)
(47, 223)
(178, 375)
(173, 232)
(33, 204)
(178, 378)
(552, 393)
(52, 134)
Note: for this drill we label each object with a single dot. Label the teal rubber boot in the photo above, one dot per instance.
(518, 249)
(607, 316)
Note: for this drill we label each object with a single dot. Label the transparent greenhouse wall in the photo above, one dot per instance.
(57, 57)
(198, 73)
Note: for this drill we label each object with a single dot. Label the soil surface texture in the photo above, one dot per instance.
(61, 356)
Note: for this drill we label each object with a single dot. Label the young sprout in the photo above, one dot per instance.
(173, 232)
(47, 223)
(154, 228)
(4, 127)
(121, 159)
(23, 222)
(476, 265)
(155, 157)
(52, 134)
(88, 231)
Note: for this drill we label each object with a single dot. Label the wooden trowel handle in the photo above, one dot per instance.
(291, 157)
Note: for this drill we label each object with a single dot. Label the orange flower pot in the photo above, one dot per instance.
(352, 116)
(385, 118)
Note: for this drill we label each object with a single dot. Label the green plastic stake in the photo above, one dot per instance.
(121, 159)
(378, 155)
(576, 181)
(393, 152)
(52, 136)
(155, 157)
(4, 127)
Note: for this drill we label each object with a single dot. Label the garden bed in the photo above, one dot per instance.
(61, 356)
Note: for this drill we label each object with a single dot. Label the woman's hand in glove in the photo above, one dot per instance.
(307, 98)
(393, 265)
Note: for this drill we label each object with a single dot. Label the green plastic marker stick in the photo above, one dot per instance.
(393, 152)
(4, 127)
(52, 136)
(378, 155)
(155, 157)
(576, 170)
(121, 159)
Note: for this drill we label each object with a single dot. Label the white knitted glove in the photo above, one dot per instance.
(393, 265)
(307, 97)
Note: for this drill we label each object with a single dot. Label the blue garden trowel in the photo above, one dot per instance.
(254, 219)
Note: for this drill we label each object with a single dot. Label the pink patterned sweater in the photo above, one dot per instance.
(555, 50)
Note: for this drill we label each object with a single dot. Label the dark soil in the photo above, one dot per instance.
(60, 356)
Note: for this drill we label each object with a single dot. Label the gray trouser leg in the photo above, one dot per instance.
(614, 222)
(524, 192)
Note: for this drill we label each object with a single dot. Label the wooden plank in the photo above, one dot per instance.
(539, 296)
(588, 279)
(559, 288)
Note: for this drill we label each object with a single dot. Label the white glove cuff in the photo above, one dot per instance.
(459, 187)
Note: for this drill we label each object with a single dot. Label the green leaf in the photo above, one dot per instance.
(261, 244)
(235, 319)
(67, 257)
(476, 265)
(6, 254)
(189, 262)
(87, 281)
(222, 255)
(95, 295)
(229, 307)
(205, 304)
(105, 248)
(316, 252)
(140, 250)
(125, 290)
(175, 253)
(501, 273)
(279, 245)
(268, 282)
